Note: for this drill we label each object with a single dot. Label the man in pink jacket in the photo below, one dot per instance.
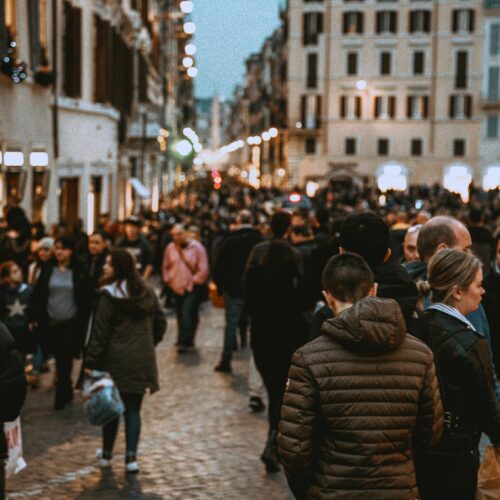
(185, 271)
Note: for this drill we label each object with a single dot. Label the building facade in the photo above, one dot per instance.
(385, 89)
(79, 126)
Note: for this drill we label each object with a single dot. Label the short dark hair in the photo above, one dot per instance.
(347, 277)
(475, 215)
(245, 217)
(280, 223)
(66, 242)
(366, 234)
(438, 230)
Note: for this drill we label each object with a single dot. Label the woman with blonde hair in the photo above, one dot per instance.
(465, 377)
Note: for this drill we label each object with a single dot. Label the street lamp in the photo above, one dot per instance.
(190, 49)
(183, 147)
(266, 136)
(361, 84)
(187, 62)
(187, 7)
(192, 72)
(273, 132)
(189, 28)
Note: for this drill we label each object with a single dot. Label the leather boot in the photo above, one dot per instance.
(270, 454)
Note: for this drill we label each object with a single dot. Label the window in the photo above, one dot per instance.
(459, 147)
(492, 126)
(350, 146)
(385, 63)
(350, 107)
(385, 107)
(420, 21)
(312, 71)
(310, 145)
(352, 63)
(37, 18)
(461, 60)
(493, 83)
(313, 27)
(416, 147)
(72, 55)
(417, 107)
(462, 21)
(383, 147)
(495, 39)
(311, 111)
(353, 23)
(387, 21)
(460, 106)
(418, 62)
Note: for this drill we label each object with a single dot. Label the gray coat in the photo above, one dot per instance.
(124, 334)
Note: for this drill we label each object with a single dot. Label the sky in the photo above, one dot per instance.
(227, 32)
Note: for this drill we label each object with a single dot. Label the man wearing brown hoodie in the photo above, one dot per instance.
(358, 397)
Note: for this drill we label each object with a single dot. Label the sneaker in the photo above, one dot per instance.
(256, 404)
(132, 468)
(105, 463)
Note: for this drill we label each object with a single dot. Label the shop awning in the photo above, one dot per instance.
(141, 190)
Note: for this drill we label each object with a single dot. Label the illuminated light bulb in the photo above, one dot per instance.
(189, 28)
(187, 7)
(190, 49)
(187, 62)
(192, 72)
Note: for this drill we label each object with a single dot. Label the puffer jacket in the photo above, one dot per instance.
(356, 399)
(124, 333)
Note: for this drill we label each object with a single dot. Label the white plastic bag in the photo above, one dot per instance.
(102, 399)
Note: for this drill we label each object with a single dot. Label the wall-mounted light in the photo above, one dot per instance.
(39, 159)
(13, 159)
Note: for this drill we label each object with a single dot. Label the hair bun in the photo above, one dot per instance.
(423, 287)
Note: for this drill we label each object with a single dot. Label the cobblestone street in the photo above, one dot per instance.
(199, 439)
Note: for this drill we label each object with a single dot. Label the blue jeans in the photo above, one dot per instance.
(235, 307)
(132, 415)
(186, 308)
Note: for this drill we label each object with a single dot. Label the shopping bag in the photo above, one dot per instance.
(217, 300)
(15, 461)
(101, 398)
(488, 485)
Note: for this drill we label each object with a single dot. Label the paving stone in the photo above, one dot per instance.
(199, 439)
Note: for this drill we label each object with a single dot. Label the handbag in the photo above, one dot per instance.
(488, 484)
(101, 398)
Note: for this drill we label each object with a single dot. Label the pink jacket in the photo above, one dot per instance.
(177, 274)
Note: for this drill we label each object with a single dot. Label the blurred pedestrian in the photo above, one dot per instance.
(12, 392)
(61, 305)
(228, 273)
(97, 253)
(127, 325)
(465, 376)
(351, 402)
(44, 253)
(185, 271)
(15, 299)
(274, 293)
(138, 245)
(410, 251)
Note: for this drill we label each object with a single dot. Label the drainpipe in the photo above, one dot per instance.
(55, 105)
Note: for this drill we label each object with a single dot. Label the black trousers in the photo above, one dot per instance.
(274, 373)
(2, 477)
(443, 476)
(64, 346)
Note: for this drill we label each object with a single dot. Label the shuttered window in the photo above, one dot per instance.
(418, 62)
(353, 23)
(495, 39)
(420, 21)
(313, 27)
(352, 63)
(385, 63)
(461, 69)
(312, 71)
(3, 29)
(387, 21)
(72, 55)
(493, 83)
(34, 34)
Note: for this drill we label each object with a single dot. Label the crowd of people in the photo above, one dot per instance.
(373, 320)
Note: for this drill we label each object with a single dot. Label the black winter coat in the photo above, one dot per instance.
(355, 398)
(83, 295)
(231, 260)
(466, 384)
(491, 304)
(12, 382)
(124, 334)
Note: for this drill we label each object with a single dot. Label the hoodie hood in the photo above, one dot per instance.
(372, 325)
(133, 307)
